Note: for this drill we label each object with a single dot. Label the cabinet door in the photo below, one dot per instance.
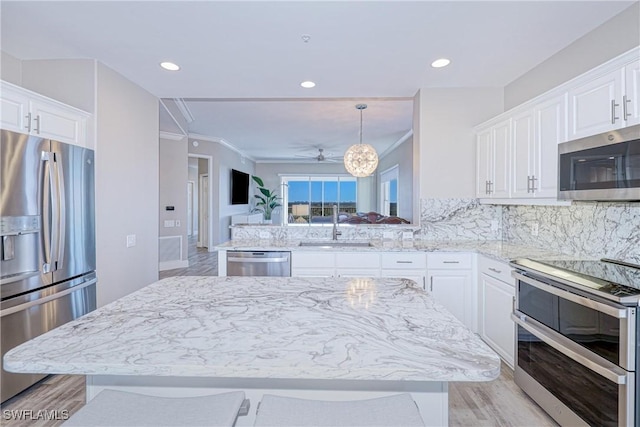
(522, 146)
(632, 93)
(550, 130)
(496, 327)
(55, 122)
(595, 107)
(483, 157)
(14, 111)
(448, 288)
(499, 187)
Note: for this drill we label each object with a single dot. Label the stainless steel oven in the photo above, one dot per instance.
(601, 167)
(577, 340)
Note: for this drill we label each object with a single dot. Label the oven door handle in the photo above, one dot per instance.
(618, 313)
(571, 350)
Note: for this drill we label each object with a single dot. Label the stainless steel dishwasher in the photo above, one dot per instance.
(248, 263)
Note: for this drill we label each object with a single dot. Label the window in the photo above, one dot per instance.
(389, 192)
(310, 199)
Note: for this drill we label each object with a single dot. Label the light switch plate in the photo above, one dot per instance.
(131, 240)
(168, 223)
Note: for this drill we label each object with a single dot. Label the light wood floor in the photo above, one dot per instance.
(496, 403)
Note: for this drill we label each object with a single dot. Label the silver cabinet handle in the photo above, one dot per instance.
(495, 270)
(451, 262)
(625, 109)
(28, 119)
(486, 187)
(490, 187)
(533, 183)
(431, 284)
(404, 262)
(613, 111)
(37, 129)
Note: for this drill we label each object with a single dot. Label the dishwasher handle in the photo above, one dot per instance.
(252, 260)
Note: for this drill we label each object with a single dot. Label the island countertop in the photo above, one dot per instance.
(257, 327)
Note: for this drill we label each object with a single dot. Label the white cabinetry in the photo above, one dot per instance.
(492, 180)
(536, 133)
(496, 294)
(409, 265)
(354, 264)
(313, 264)
(631, 99)
(28, 112)
(450, 280)
(605, 98)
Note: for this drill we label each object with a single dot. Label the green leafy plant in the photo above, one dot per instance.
(267, 199)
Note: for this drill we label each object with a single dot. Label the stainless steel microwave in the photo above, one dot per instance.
(601, 167)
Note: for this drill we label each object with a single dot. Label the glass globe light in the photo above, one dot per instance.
(361, 160)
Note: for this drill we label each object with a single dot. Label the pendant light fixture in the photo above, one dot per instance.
(361, 160)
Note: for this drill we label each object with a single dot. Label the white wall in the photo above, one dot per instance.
(224, 159)
(447, 139)
(173, 189)
(71, 81)
(10, 69)
(126, 185)
(614, 37)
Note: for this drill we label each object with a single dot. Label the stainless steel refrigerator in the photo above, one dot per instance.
(47, 247)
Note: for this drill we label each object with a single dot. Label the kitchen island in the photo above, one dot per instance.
(324, 338)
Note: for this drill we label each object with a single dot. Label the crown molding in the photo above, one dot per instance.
(172, 136)
(184, 109)
(397, 143)
(184, 132)
(222, 142)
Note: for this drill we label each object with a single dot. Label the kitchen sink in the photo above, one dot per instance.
(336, 244)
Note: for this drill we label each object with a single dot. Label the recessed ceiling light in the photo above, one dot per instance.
(308, 84)
(439, 63)
(170, 66)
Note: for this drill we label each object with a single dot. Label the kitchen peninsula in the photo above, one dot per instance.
(332, 339)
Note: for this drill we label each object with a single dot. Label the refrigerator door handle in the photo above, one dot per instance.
(51, 213)
(45, 213)
(61, 220)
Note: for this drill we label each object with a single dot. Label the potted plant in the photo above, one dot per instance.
(267, 199)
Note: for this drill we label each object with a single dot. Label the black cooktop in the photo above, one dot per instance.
(620, 281)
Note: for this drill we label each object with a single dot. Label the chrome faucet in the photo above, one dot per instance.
(336, 233)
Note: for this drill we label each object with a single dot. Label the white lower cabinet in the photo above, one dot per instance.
(497, 291)
(358, 264)
(313, 264)
(408, 265)
(450, 280)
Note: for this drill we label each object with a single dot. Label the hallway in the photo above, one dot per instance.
(201, 263)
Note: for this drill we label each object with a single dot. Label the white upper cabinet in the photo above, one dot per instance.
(595, 106)
(606, 98)
(631, 99)
(28, 112)
(523, 152)
(493, 166)
(550, 119)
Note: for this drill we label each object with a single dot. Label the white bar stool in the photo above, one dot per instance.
(397, 410)
(123, 409)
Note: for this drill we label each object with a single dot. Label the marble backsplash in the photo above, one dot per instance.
(595, 230)
(459, 219)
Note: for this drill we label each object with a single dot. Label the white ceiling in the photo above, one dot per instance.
(254, 51)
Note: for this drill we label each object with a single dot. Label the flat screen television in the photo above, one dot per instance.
(239, 188)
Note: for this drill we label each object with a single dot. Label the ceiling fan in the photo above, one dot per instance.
(321, 157)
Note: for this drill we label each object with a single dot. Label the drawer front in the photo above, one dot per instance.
(494, 268)
(300, 259)
(358, 260)
(404, 260)
(449, 260)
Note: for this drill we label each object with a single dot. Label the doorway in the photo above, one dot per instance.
(199, 202)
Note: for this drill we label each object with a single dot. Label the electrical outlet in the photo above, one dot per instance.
(494, 225)
(131, 240)
(407, 235)
(265, 235)
(387, 235)
(534, 228)
(168, 223)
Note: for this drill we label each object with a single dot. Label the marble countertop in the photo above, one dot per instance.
(495, 249)
(261, 327)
